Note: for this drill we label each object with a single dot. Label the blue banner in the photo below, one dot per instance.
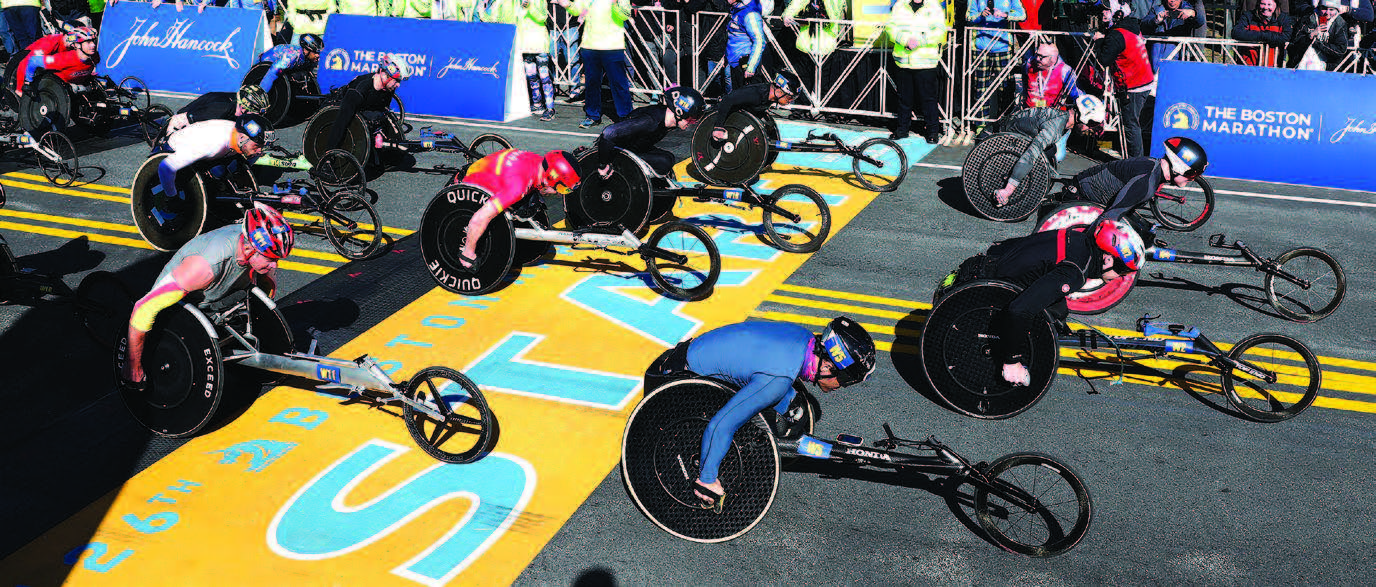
(460, 68)
(180, 51)
(1281, 125)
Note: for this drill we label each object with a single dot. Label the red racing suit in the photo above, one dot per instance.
(509, 174)
(53, 54)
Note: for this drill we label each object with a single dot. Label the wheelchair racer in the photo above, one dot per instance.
(1048, 266)
(220, 106)
(287, 59)
(641, 130)
(1123, 185)
(511, 175)
(209, 268)
(71, 56)
(207, 141)
(1048, 128)
(780, 356)
(758, 99)
(370, 96)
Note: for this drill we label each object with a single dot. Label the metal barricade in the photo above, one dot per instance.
(1201, 50)
(1358, 61)
(652, 53)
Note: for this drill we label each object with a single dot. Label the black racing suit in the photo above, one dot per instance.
(362, 98)
(1121, 186)
(1047, 273)
(211, 106)
(753, 98)
(639, 132)
(1045, 126)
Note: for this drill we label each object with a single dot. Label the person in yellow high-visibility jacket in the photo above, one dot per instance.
(917, 30)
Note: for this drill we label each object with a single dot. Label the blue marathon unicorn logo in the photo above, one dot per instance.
(260, 453)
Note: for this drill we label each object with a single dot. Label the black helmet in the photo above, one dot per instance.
(253, 99)
(1186, 157)
(788, 82)
(312, 43)
(850, 348)
(686, 103)
(254, 126)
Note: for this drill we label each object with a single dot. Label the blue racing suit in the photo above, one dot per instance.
(284, 58)
(762, 359)
(745, 38)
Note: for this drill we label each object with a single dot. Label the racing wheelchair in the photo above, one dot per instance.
(753, 143)
(1303, 284)
(334, 198)
(795, 217)
(1265, 377)
(291, 95)
(194, 356)
(987, 167)
(680, 258)
(53, 151)
(1027, 503)
(97, 104)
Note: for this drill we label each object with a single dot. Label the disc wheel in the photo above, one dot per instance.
(153, 123)
(167, 223)
(880, 165)
(487, 144)
(738, 159)
(46, 105)
(104, 303)
(1037, 506)
(352, 225)
(620, 200)
(1271, 384)
(812, 226)
(1096, 296)
(1183, 209)
(465, 430)
(443, 230)
(357, 140)
(338, 170)
(682, 260)
(987, 169)
(186, 378)
(1323, 285)
(57, 156)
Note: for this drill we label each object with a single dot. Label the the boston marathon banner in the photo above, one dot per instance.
(180, 51)
(1281, 125)
(460, 69)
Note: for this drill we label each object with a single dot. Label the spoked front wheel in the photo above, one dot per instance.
(880, 165)
(1269, 384)
(466, 429)
(137, 92)
(487, 144)
(806, 232)
(153, 123)
(352, 225)
(682, 260)
(339, 170)
(1182, 209)
(57, 156)
(1036, 506)
(1307, 285)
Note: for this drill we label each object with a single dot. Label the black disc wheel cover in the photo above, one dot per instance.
(740, 158)
(443, 228)
(986, 170)
(47, 100)
(623, 199)
(957, 353)
(185, 375)
(660, 461)
(357, 140)
(146, 196)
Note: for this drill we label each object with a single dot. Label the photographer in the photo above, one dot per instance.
(1169, 18)
(1124, 48)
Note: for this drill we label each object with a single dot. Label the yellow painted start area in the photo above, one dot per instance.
(305, 489)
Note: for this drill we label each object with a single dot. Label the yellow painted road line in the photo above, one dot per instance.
(820, 305)
(854, 297)
(313, 218)
(822, 321)
(114, 226)
(63, 191)
(93, 186)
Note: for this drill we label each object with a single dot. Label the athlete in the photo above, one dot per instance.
(369, 95)
(1048, 128)
(207, 269)
(1048, 266)
(511, 175)
(208, 141)
(1123, 185)
(779, 355)
(287, 59)
(758, 99)
(642, 129)
(220, 106)
(71, 56)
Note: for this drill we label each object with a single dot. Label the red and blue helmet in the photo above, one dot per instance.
(268, 231)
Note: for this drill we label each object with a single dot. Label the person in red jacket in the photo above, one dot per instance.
(1133, 80)
(1266, 26)
(71, 56)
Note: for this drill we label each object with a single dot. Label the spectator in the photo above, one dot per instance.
(77, 12)
(460, 10)
(1133, 80)
(1169, 18)
(413, 8)
(745, 42)
(650, 27)
(992, 49)
(712, 38)
(603, 52)
(1282, 6)
(1266, 26)
(308, 16)
(96, 11)
(918, 30)
(817, 39)
(22, 18)
(1324, 34)
(364, 7)
(532, 39)
(1050, 80)
(678, 25)
(564, 44)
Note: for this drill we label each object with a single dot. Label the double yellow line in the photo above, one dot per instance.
(120, 195)
(896, 324)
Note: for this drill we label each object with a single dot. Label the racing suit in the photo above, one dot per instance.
(284, 59)
(208, 140)
(1048, 266)
(1045, 126)
(509, 175)
(639, 133)
(360, 97)
(52, 53)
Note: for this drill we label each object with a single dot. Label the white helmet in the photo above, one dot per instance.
(1091, 108)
